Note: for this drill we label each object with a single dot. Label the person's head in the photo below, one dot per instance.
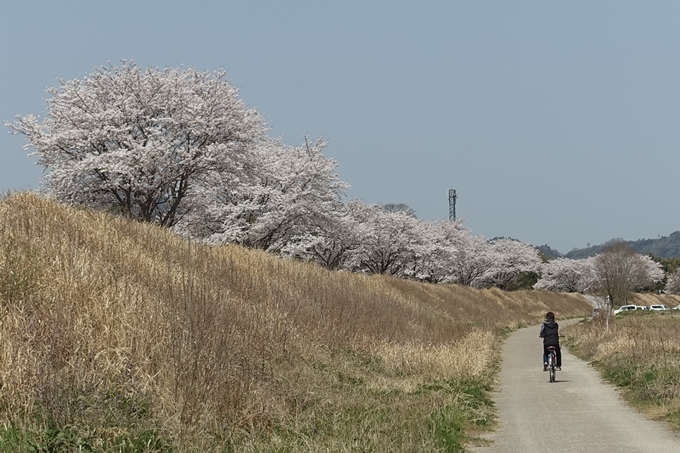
(550, 316)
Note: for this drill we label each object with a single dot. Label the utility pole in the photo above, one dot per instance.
(453, 196)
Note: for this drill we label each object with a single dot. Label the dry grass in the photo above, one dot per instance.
(113, 328)
(641, 354)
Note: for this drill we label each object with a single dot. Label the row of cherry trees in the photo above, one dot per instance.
(362, 237)
(178, 147)
(367, 238)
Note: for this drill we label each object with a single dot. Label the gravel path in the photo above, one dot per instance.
(578, 413)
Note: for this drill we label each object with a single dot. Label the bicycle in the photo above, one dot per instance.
(552, 362)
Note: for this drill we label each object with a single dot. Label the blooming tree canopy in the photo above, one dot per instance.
(509, 259)
(673, 283)
(434, 254)
(138, 141)
(387, 239)
(565, 275)
(471, 260)
(331, 243)
(283, 192)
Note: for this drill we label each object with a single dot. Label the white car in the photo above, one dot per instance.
(677, 308)
(658, 307)
(623, 308)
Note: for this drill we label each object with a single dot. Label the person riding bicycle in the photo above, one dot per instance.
(551, 337)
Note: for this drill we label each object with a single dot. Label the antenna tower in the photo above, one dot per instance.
(453, 196)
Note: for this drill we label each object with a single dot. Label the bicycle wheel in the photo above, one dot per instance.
(551, 366)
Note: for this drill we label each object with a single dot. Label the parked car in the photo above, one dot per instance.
(677, 308)
(623, 308)
(658, 307)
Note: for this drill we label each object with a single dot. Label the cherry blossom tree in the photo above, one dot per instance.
(330, 243)
(510, 258)
(673, 283)
(471, 260)
(434, 253)
(139, 141)
(282, 192)
(387, 240)
(565, 275)
(302, 193)
(649, 273)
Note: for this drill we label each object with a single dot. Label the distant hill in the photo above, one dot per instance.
(577, 254)
(663, 247)
(549, 252)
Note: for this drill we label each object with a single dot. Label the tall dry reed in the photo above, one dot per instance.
(115, 327)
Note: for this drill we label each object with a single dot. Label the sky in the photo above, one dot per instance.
(556, 122)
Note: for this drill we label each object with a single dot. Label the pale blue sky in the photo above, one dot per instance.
(557, 122)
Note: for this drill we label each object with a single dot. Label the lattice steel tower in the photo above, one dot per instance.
(453, 196)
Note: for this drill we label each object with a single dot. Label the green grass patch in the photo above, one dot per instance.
(448, 428)
(15, 440)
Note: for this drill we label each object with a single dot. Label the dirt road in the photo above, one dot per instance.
(578, 413)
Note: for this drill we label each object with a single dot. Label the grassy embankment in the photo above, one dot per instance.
(640, 353)
(119, 336)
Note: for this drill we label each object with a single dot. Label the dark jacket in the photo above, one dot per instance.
(550, 334)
